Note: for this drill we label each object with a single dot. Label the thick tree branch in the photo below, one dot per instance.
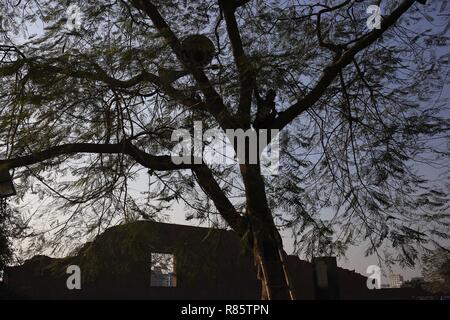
(331, 46)
(246, 73)
(102, 76)
(214, 102)
(158, 163)
(330, 73)
(210, 186)
(54, 67)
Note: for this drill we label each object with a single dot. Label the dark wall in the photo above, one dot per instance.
(210, 264)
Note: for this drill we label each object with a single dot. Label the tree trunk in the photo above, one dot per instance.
(270, 258)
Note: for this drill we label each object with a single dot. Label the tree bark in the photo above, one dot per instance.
(266, 241)
(272, 270)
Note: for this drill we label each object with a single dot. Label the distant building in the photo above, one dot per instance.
(395, 280)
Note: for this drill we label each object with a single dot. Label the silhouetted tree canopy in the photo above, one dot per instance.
(10, 228)
(5, 249)
(86, 113)
(418, 283)
(436, 271)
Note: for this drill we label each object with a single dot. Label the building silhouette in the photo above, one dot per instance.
(152, 260)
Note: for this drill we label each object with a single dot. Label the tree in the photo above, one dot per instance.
(436, 270)
(5, 248)
(417, 283)
(356, 108)
(11, 227)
